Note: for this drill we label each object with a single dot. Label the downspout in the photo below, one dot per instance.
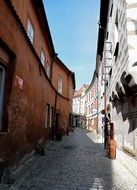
(56, 94)
(53, 59)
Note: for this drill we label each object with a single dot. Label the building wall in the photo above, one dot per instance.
(64, 109)
(83, 99)
(26, 10)
(59, 71)
(123, 108)
(25, 105)
(91, 105)
(120, 72)
(85, 105)
(76, 105)
(100, 94)
(79, 100)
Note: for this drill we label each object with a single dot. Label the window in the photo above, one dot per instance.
(47, 121)
(88, 109)
(2, 81)
(30, 31)
(48, 70)
(111, 10)
(70, 119)
(60, 84)
(116, 38)
(51, 117)
(116, 50)
(116, 29)
(89, 96)
(42, 58)
(107, 34)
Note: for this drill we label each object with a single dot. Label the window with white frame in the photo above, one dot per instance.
(2, 82)
(42, 58)
(60, 84)
(30, 31)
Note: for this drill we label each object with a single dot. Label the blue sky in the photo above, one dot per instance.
(73, 26)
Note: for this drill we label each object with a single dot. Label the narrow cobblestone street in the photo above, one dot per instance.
(77, 162)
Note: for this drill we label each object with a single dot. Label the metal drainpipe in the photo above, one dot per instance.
(54, 116)
(53, 59)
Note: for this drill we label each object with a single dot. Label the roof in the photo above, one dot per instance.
(41, 10)
(104, 5)
(39, 3)
(81, 90)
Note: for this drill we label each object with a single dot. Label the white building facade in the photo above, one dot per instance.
(85, 105)
(78, 105)
(91, 105)
(117, 70)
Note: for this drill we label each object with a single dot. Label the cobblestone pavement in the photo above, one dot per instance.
(78, 162)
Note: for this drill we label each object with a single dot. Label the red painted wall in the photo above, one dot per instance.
(25, 109)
